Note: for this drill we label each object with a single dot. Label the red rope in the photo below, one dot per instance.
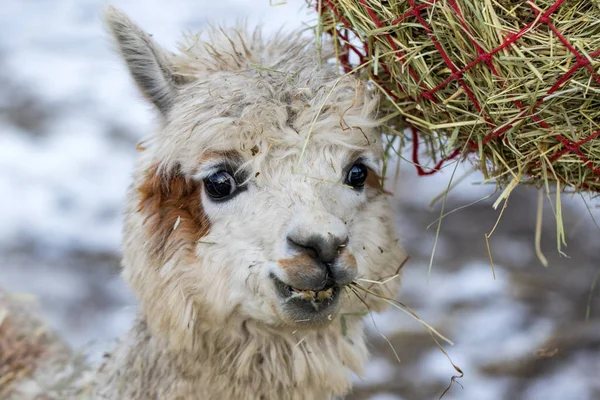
(415, 156)
(496, 132)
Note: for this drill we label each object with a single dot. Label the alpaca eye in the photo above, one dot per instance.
(357, 175)
(220, 185)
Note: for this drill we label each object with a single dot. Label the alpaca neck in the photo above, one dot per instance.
(243, 359)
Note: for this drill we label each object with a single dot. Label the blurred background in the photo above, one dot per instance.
(70, 119)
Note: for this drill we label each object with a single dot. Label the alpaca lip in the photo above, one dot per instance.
(307, 304)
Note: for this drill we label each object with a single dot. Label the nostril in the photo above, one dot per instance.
(293, 243)
(321, 248)
(302, 247)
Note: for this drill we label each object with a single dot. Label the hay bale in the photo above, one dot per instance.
(514, 84)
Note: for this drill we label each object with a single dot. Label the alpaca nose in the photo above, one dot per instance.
(324, 249)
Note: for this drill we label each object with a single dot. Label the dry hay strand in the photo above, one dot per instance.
(436, 336)
(514, 84)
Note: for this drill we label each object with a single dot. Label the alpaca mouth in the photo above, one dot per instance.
(308, 304)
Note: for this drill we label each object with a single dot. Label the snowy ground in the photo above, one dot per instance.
(69, 121)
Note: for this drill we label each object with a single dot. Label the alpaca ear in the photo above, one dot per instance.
(148, 63)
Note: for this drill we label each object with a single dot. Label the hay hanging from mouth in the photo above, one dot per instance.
(514, 84)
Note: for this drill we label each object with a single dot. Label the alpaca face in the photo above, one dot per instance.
(284, 231)
(259, 196)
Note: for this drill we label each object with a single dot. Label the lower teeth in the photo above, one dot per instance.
(325, 294)
(311, 294)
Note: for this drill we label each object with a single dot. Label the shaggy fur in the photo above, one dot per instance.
(212, 325)
(34, 363)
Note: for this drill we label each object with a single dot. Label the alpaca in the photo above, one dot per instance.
(254, 206)
(35, 364)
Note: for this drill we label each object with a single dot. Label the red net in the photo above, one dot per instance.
(485, 58)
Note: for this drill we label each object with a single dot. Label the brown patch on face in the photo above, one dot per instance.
(175, 219)
(347, 260)
(300, 269)
(373, 180)
(297, 264)
(345, 267)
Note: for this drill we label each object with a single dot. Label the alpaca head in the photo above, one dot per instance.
(258, 198)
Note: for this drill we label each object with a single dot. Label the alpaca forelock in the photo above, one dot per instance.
(285, 139)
